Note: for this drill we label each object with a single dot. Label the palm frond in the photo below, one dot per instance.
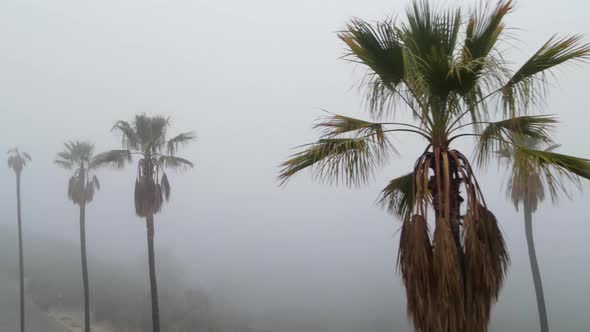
(398, 197)
(430, 39)
(414, 261)
(335, 160)
(379, 48)
(478, 66)
(113, 158)
(533, 170)
(336, 125)
(174, 162)
(165, 186)
(151, 131)
(498, 135)
(11, 161)
(89, 192)
(96, 182)
(179, 140)
(129, 137)
(64, 164)
(483, 31)
(522, 88)
(65, 156)
(17, 160)
(75, 153)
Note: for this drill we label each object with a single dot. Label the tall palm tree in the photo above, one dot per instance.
(146, 137)
(534, 171)
(447, 73)
(17, 160)
(79, 157)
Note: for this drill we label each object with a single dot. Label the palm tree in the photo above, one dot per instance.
(146, 137)
(534, 170)
(447, 73)
(17, 160)
(78, 156)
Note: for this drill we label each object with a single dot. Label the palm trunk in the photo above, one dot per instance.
(152, 267)
(84, 267)
(528, 224)
(20, 255)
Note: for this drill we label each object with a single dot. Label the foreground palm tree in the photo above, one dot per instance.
(447, 73)
(17, 160)
(78, 156)
(535, 171)
(146, 137)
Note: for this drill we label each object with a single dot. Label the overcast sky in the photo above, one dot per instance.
(250, 77)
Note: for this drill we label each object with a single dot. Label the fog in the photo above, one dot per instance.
(249, 78)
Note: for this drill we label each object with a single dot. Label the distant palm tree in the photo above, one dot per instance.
(146, 137)
(17, 161)
(78, 156)
(446, 72)
(535, 170)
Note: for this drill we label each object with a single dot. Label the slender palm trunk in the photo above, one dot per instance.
(84, 267)
(528, 224)
(20, 255)
(152, 267)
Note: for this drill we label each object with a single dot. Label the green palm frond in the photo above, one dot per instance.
(113, 158)
(378, 46)
(498, 135)
(522, 88)
(351, 161)
(175, 162)
(180, 140)
(430, 40)
(483, 31)
(151, 131)
(129, 138)
(479, 67)
(398, 197)
(336, 125)
(75, 153)
(534, 170)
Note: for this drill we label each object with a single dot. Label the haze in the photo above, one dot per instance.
(249, 78)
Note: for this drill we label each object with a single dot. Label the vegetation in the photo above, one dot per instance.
(447, 72)
(119, 293)
(17, 160)
(79, 156)
(440, 76)
(147, 137)
(535, 171)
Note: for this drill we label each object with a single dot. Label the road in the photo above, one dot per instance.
(36, 321)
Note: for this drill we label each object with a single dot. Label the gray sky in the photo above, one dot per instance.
(250, 77)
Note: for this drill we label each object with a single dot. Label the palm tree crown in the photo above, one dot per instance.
(533, 170)
(536, 169)
(448, 73)
(146, 137)
(17, 160)
(79, 156)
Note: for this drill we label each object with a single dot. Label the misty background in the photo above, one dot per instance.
(250, 78)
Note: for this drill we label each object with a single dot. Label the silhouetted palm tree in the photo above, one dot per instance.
(78, 156)
(535, 171)
(146, 137)
(17, 160)
(447, 73)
